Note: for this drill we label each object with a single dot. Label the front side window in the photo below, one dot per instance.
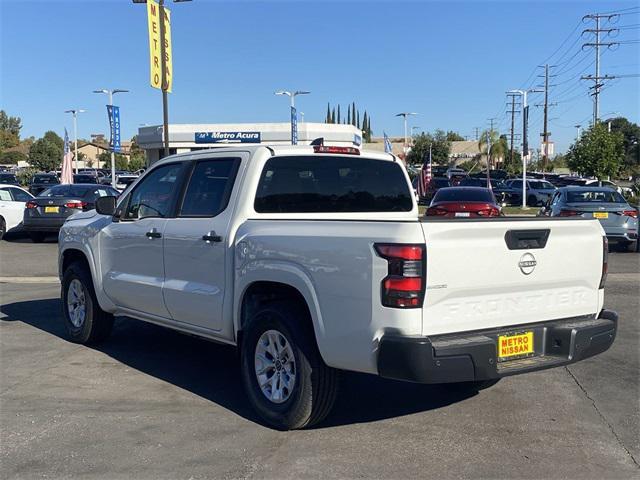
(209, 187)
(153, 196)
(325, 184)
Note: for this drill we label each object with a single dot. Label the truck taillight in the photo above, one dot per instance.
(605, 261)
(404, 285)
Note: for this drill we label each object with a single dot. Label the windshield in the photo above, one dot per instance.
(58, 191)
(595, 196)
(463, 195)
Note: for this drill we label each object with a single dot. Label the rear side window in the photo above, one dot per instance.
(323, 184)
(209, 187)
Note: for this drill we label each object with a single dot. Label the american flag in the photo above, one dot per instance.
(66, 175)
(425, 176)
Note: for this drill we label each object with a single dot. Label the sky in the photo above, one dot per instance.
(449, 61)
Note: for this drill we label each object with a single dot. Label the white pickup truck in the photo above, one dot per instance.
(313, 259)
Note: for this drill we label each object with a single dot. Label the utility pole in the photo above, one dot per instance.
(513, 118)
(477, 131)
(597, 79)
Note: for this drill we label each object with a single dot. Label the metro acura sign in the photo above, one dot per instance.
(227, 137)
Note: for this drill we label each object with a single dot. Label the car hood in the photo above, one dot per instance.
(82, 215)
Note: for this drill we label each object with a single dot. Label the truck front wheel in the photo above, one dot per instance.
(85, 321)
(286, 380)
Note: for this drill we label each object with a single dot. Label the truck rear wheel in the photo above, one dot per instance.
(286, 380)
(85, 321)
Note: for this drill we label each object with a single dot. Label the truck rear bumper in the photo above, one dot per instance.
(473, 356)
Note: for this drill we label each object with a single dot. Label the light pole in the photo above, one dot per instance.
(110, 93)
(525, 143)
(294, 117)
(405, 115)
(75, 112)
(578, 131)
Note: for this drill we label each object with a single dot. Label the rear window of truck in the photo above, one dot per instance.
(323, 184)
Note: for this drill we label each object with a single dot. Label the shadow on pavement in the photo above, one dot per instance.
(212, 371)
(23, 237)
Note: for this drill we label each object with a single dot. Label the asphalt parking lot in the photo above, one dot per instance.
(152, 403)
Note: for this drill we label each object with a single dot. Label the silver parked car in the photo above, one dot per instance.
(539, 192)
(618, 218)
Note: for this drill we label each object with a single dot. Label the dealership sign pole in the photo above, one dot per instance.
(160, 58)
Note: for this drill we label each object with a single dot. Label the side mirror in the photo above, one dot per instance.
(106, 205)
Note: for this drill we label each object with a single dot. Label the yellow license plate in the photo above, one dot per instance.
(510, 346)
(51, 209)
(600, 214)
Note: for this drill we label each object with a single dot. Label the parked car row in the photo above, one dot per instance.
(46, 212)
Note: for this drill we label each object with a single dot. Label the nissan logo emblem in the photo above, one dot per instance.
(527, 263)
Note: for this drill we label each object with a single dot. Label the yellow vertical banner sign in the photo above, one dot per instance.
(155, 50)
(168, 66)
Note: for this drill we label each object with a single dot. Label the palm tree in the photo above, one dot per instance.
(497, 151)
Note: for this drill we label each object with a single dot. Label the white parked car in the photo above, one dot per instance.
(12, 201)
(313, 259)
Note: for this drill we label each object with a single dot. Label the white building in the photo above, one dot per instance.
(190, 137)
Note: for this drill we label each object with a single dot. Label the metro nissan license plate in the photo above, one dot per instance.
(600, 214)
(51, 209)
(514, 346)
(462, 214)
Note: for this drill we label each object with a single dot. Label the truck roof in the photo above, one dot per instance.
(279, 150)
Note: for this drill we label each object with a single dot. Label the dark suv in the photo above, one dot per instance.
(42, 181)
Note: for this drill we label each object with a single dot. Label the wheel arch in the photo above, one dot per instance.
(260, 291)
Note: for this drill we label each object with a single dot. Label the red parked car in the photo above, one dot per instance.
(464, 202)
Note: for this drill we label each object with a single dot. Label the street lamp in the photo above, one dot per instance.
(110, 93)
(405, 115)
(525, 143)
(75, 112)
(294, 117)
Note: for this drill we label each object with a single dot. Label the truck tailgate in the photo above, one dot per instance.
(484, 274)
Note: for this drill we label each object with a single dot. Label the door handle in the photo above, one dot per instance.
(153, 233)
(211, 237)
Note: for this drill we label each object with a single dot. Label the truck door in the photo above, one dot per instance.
(197, 246)
(131, 248)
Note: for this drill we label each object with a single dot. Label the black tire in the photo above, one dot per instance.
(97, 324)
(3, 227)
(315, 388)
(465, 387)
(36, 237)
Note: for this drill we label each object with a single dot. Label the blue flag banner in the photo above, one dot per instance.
(387, 144)
(294, 126)
(114, 125)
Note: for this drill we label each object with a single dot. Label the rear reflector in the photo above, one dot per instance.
(330, 149)
(404, 285)
(605, 261)
(31, 205)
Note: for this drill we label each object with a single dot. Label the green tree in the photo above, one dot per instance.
(454, 136)
(333, 115)
(12, 157)
(328, 117)
(631, 143)
(338, 118)
(54, 138)
(9, 130)
(597, 152)
(45, 155)
(121, 161)
(137, 162)
(440, 148)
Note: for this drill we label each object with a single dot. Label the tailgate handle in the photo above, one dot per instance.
(526, 239)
